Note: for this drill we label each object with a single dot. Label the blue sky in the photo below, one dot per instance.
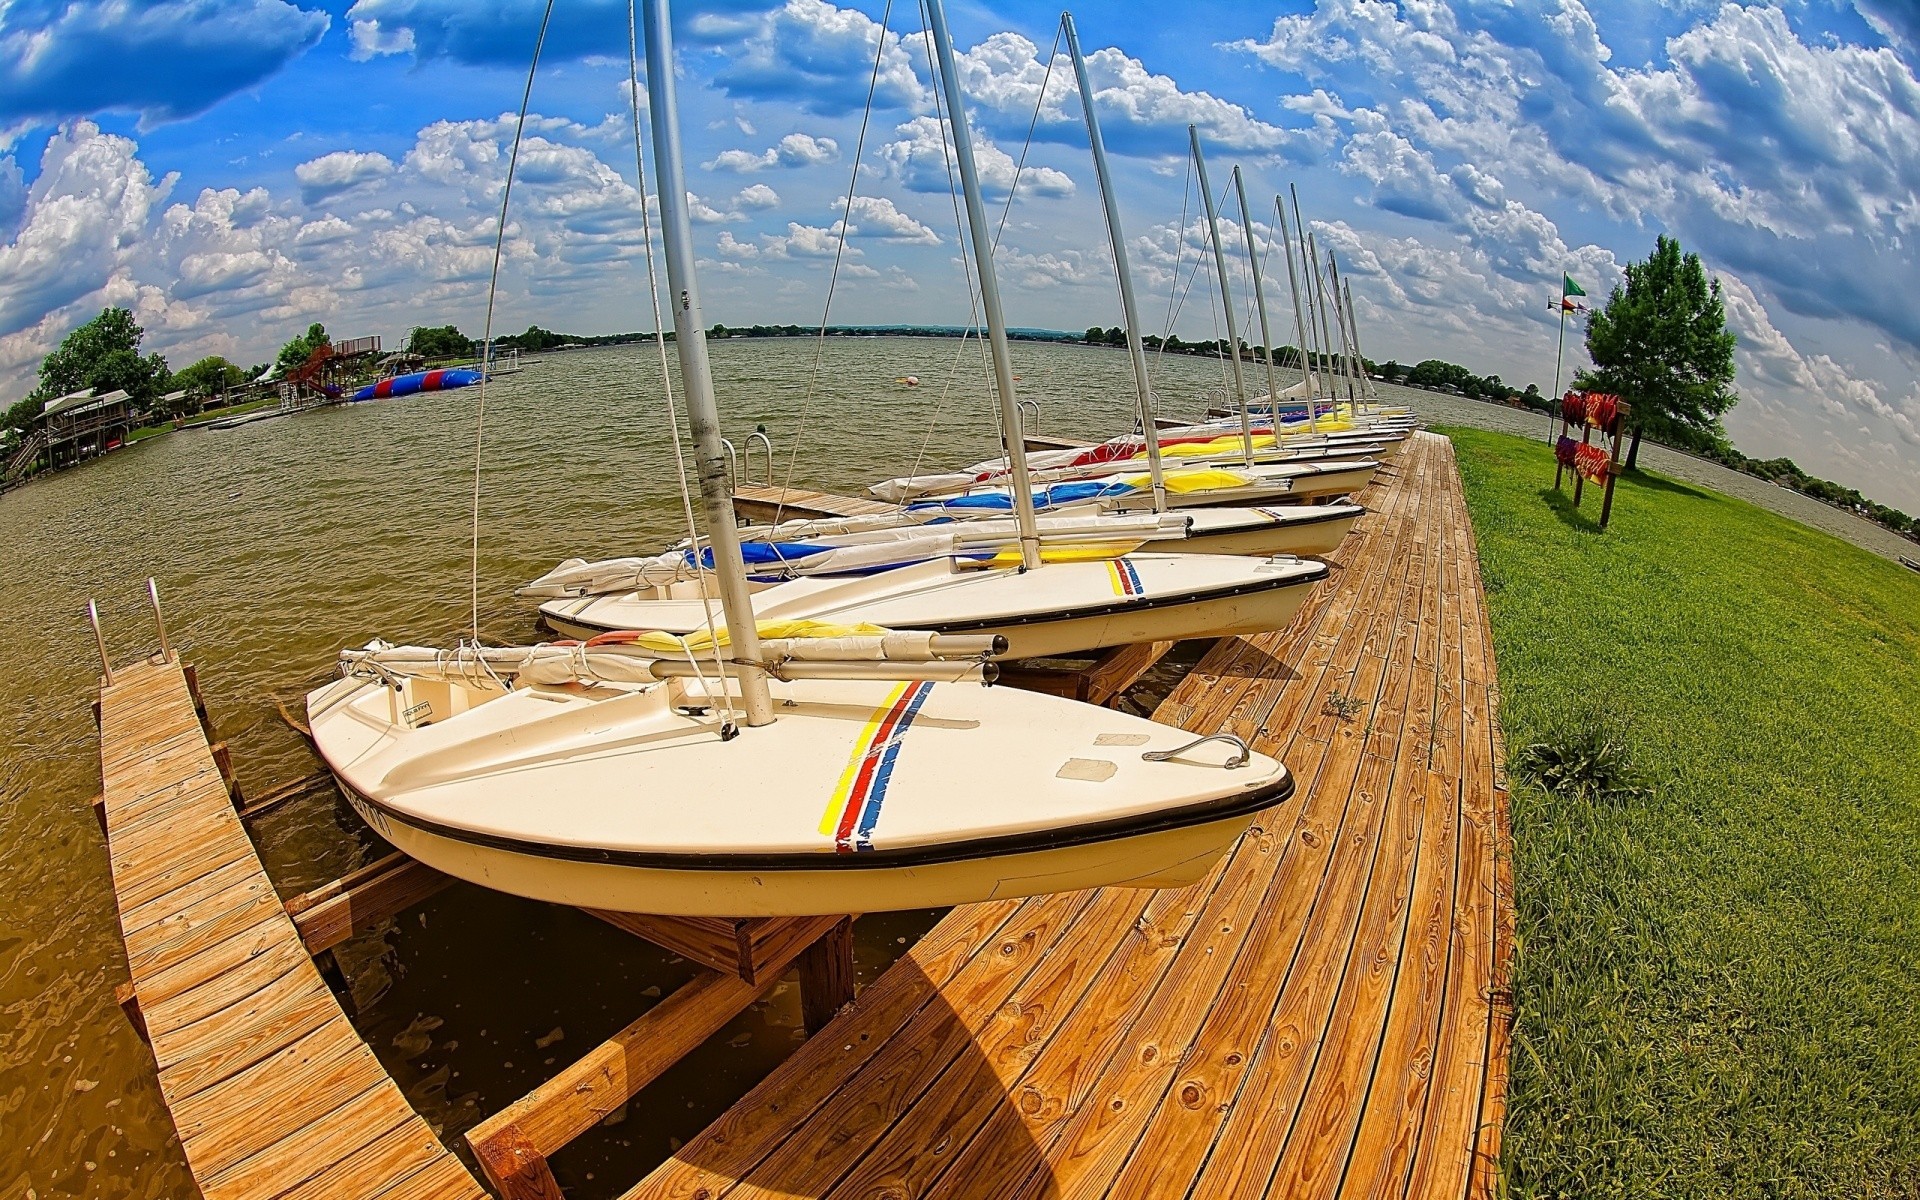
(235, 169)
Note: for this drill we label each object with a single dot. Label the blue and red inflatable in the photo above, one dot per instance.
(418, 381)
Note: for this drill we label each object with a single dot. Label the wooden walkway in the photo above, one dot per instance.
(272, 1091)
(1322, 1016)
(757, 503)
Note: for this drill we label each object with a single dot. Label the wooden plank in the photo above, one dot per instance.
(271, 1089)
(990, 950)
(758, 503)
(325, 923)
(1323, 1027)
(606, 1077)
(710, 941)
(826, 976)
(748, 1131)
(1121, 668)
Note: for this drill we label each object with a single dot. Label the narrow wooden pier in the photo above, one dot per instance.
(272, 1091)
(1324, 1015)
(757, 503)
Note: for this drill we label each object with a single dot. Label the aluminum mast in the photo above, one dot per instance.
(1142, 385)
(1226, 297)
(690, 337)
(989, 287)
(1259, 299)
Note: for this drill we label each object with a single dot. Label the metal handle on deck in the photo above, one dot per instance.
(100, 643)
(1241, 759)
(759, 435)
(159, 622)
(733, 458)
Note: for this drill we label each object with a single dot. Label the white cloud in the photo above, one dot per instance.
(1140, 112)
(342, 171)
(876, 216)
(793, 150)
(920, 159)
(371, 40)
(756, 196)
(815, 55)
(84, 217)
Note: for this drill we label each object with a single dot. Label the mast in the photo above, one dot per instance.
(1353, 324)
(1226, 296)
(1259, 297)
(989, 286)
(1348, 363)
(703, 414)
(1299, 321)
(1314, 326)
(1353, 340)
(1136, 352)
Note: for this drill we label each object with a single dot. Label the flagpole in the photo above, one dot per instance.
(1558, 353)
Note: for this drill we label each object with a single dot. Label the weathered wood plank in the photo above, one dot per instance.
(270, 1088)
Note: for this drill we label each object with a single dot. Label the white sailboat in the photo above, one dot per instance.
(1041, 607)
(619, 775)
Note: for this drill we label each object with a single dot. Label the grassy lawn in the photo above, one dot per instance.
(1717, 982)
(221, 414)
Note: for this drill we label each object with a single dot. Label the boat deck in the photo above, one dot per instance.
(272, 1091)
(1323, 1015)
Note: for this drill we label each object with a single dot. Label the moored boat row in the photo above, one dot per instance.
(789, 720)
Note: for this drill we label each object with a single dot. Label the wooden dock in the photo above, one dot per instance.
(1324, 1015)
(272, 1091)
(758, 503)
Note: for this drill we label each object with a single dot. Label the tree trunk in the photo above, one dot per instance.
(1633, 451)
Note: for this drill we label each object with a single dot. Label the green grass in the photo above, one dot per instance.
(221, 414)
(1717, 981)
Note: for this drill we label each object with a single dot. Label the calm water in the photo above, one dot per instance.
(276, 544)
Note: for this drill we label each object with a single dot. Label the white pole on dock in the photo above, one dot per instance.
(1136, 351)
(1259, 296)
(989, 286)
(690, 338)
(1299, 320)
(1314, 327)
(1354, 371)
(1226, 296)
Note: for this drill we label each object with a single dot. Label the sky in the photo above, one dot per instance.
(233, 170)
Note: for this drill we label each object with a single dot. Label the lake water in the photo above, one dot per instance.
(278, 543)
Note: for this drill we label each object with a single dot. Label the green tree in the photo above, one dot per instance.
(300, 349)
(104, 354)
(439, 341)
(1095, 335)
(209, 377)
(1116, 336)
(1662, 344)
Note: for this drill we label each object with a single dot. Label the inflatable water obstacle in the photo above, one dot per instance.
(418, 381)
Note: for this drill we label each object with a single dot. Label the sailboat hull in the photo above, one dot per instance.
(1060, 609)
(1172, 857)
(858, 797)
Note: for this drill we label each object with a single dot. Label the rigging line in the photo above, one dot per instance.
(966, 263)
(839, 253)
(947, 156)
(486, 334)
(1179, 253)
(666, 372)
(1039, 102)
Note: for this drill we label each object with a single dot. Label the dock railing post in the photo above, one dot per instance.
(100, 643)
(159, 621)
